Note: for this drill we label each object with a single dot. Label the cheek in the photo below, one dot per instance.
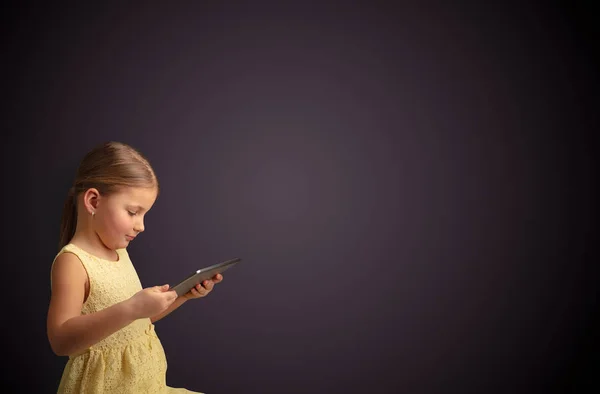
(116, 223)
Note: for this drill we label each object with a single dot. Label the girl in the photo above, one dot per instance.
(99, 315)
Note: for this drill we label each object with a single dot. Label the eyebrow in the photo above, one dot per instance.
(136, 206)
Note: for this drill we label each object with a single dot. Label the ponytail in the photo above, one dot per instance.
(68, 220)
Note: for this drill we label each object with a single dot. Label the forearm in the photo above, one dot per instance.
(81, 332)
(176, 304)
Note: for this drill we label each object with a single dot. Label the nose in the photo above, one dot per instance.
(139, 226)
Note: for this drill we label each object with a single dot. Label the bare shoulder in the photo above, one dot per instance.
(68, 289)
(67, 268)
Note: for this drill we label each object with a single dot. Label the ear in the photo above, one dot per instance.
(91, 199)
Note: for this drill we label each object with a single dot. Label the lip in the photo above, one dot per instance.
(129, 237)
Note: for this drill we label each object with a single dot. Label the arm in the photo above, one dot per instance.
(176, 304)
(69, 332)
(197, 292)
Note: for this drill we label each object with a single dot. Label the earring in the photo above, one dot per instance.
(93, 213)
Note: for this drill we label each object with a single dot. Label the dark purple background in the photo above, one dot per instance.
(410, 189)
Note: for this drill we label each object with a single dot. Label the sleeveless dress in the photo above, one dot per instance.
(131, 360)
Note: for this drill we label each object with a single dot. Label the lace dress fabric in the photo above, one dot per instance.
(131, 360)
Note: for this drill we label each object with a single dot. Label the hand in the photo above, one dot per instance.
(151, 301)
(202, 290)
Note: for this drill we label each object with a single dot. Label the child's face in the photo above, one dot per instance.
(120, 216)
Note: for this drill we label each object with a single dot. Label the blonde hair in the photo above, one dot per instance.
(107, 167)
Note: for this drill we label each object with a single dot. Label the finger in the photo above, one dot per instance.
(208, 285)
(201, 290)
(217, 278)
(171, 296)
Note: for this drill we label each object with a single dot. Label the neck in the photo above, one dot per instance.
(86, 238)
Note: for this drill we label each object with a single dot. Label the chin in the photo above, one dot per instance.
(119, 245)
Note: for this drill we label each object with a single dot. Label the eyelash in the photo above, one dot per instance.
(132, 213)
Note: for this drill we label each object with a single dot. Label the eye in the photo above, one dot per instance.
(132, 213)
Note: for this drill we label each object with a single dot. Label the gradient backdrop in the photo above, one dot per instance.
(410, 188)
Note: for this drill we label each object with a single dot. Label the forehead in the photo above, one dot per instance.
(141, 196)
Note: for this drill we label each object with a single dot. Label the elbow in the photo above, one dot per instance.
(57, 346)
(58, 349)
(61, 353)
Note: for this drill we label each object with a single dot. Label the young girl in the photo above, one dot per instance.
(99, 315)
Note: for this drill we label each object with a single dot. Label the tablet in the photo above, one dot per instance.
(203, 274)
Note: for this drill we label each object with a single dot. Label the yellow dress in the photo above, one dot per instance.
(132, 360)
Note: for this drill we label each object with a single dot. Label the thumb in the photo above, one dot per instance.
(164, 287)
